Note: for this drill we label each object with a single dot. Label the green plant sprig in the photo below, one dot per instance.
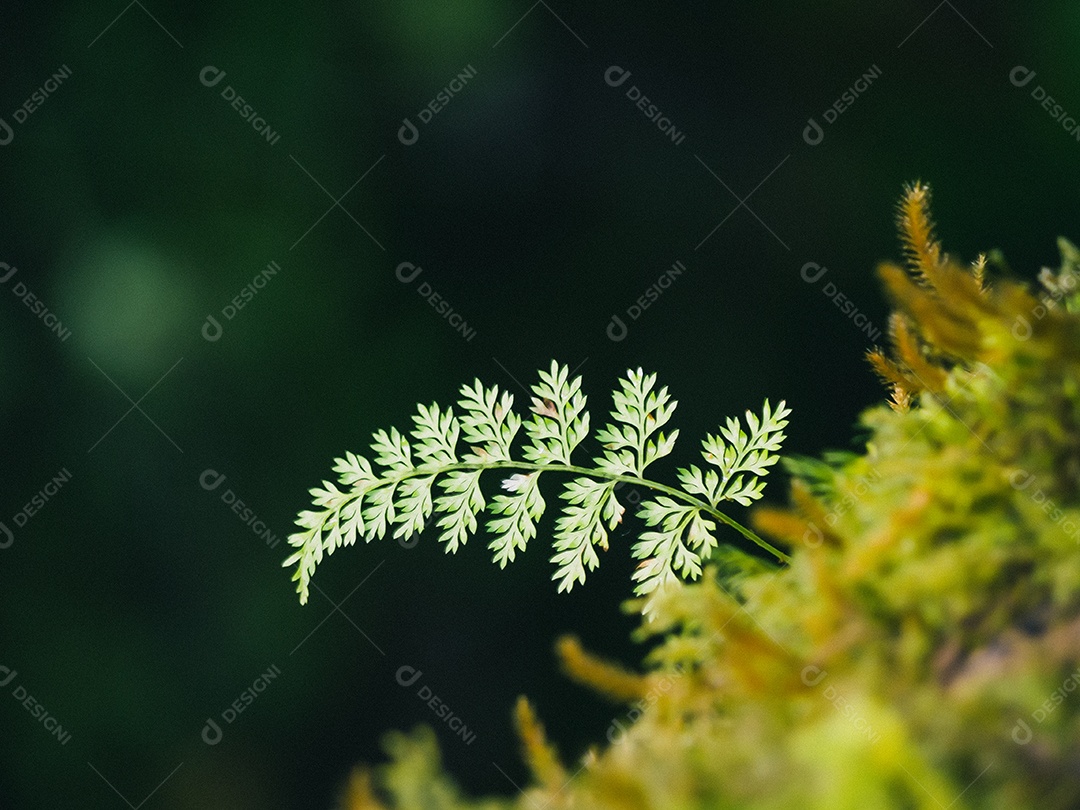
(399, 499)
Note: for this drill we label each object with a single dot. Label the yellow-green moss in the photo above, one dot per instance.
(922, 648)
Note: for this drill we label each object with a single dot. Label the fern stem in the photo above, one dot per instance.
(593, 473)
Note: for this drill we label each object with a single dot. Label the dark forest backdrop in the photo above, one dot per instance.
(539, 202)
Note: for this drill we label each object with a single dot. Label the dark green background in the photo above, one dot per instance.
(539, 202)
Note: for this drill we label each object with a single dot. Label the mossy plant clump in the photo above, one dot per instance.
(920, 648)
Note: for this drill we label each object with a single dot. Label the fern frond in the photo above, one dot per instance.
(435, 471)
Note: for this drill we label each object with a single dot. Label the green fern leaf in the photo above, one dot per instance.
(413, 478)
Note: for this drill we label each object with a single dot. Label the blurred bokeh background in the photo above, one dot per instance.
(539, 202)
